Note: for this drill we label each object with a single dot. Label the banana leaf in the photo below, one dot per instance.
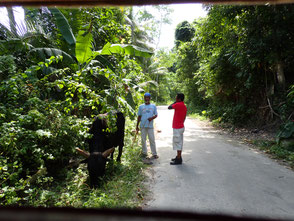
(63, 26)
(130, 100)
(84, 46)
(43, 53)
(133, 50)
(147, 83)
(105, 62)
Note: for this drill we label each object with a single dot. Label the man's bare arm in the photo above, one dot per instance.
(152, 118)
(171, 106)
(138, 121)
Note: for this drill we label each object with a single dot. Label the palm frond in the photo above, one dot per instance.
(148, 83)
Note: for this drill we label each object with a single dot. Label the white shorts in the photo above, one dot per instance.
(178, 138)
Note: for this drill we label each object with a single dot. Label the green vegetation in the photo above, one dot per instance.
(235, 66)
(57, 72)
(199, 116)
(238, 68)
(121, 187)
(284, 153)
(63, 67)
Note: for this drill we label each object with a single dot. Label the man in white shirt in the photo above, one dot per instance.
(146, 114)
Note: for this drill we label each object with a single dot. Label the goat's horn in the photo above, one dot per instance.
(83, 153)
(106, 153)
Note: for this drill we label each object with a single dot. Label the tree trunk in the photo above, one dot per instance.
(280, 76)
(131, 16)
(12, 22)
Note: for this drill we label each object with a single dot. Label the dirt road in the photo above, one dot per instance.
(218, 175)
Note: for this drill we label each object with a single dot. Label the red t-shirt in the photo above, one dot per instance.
(180, 114)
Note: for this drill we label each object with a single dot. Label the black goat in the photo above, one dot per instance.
(102, 144)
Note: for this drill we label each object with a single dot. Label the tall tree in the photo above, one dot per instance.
(152, 19)
(245, 60)
(184, 32)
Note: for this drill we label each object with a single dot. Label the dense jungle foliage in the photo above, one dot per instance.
(58, 70)
(235, 66)
(62, 67)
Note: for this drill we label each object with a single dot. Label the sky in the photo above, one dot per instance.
(182, 12)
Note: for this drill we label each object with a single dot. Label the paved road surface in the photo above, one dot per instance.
(218, 175)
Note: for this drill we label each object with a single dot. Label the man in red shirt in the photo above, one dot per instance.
(178, 127)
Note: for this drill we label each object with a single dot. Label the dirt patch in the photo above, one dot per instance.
(148, 183)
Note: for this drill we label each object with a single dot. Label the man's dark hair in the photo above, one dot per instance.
(181, 96)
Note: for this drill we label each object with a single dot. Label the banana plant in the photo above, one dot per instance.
(80, 56)
(85, 54)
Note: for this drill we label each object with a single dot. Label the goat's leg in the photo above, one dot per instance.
(120, 148)
(111, 156)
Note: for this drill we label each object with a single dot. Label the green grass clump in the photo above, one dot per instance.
(276, 151)
(199, 115)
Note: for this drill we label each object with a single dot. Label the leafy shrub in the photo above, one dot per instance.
(7, 65)
(46, 103)
(43, 118)
(286, 131)
(229, 113)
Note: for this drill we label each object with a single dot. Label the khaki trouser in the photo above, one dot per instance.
(150, 132)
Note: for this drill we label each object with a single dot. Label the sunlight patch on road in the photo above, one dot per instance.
(163, 143)
(186, 152)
